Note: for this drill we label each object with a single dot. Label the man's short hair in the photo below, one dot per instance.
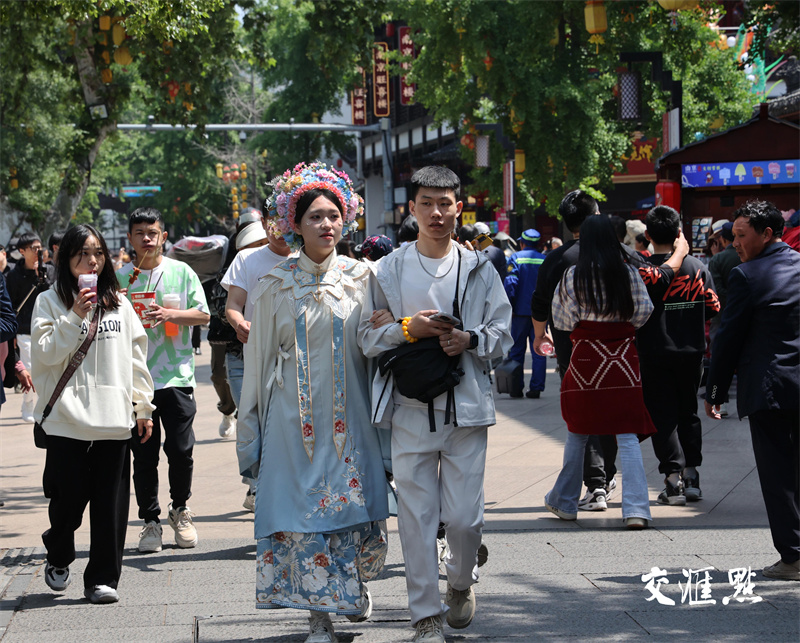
(663, 224)
(762, 215)
(55, 240)
(575, 207)
(435, 176)
(27, 239)
(145, 215)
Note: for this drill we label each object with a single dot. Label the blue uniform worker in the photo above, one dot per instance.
(520, 282)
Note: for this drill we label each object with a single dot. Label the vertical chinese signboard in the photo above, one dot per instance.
(508, 186)
(407, 90)
(358, 101)
(380, 81)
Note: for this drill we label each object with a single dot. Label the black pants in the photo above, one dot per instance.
(776, 445)
(669, 386)
(601, 450)
(175, 413)
(97, 473)
(219, 378)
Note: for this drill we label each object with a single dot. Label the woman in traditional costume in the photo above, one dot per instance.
(602, 300)
(304, 429)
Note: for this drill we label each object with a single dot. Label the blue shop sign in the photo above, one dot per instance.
(707, 175)
(133, 191)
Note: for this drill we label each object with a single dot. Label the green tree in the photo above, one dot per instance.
(61, 47)
(309, 53)
(534, 68)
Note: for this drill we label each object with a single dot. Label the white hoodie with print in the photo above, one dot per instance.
(110, 390)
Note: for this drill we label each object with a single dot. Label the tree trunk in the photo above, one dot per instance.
(79, 173)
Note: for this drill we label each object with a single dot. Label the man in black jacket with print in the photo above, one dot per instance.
(671, 346)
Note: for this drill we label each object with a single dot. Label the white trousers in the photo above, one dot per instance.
(29, 398)
(439, 476)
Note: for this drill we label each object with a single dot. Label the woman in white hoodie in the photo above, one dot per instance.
(89, 427)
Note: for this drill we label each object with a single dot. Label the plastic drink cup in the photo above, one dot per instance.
(547, 349)
(88, 281)
(142, 301)
(173, 302)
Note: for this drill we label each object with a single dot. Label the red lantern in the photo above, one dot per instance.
(669, 193)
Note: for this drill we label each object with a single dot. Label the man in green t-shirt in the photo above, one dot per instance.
(169, 299)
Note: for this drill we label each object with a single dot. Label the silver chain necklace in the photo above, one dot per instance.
(433, 274)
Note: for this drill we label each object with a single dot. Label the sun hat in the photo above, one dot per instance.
(251, 233)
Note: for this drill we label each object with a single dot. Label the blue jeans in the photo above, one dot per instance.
(566, 491)
(235, 366)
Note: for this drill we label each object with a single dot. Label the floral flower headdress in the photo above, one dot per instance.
(287, 189)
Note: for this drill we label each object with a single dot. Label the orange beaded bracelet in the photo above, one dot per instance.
(406, 334)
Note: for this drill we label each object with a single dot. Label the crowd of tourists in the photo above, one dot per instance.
(360, 373)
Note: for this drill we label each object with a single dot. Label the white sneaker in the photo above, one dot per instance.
(321, 628)
(228, 425)
(180, 520)
(250, 502)
(101, 594)
(150, 537)
(429, 629)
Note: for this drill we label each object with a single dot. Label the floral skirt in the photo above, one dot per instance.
(319, 571)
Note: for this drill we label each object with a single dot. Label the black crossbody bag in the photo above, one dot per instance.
(39, 435)
(423, 371)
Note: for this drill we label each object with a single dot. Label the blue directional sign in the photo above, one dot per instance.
(706, 175)
(133, 191)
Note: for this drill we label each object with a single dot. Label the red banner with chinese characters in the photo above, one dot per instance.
(380, 81)
(358, 101)
(407, 90)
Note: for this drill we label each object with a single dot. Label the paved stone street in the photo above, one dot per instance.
(545, 579)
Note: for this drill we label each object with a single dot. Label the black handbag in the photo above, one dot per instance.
(423, 371)
(39, 435)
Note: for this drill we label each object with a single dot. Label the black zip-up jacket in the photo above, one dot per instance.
(20, 281)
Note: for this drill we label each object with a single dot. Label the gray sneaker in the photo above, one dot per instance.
(320, 628)
(57, 578)
(783, 571)
(462, 607)
(429, 630)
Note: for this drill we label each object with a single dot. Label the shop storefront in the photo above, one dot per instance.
(710, 179)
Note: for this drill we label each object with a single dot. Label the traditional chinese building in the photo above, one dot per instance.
(710, 179)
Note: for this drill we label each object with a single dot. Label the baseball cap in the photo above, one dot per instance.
(716, 227)
(482, 228)
(531, 234)
(375, 247)
(726, 232)
(251, 233)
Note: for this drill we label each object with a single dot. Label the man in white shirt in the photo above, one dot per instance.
(438, 453)
(241, 279)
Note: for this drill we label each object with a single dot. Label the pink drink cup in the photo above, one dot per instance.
(88, 281)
